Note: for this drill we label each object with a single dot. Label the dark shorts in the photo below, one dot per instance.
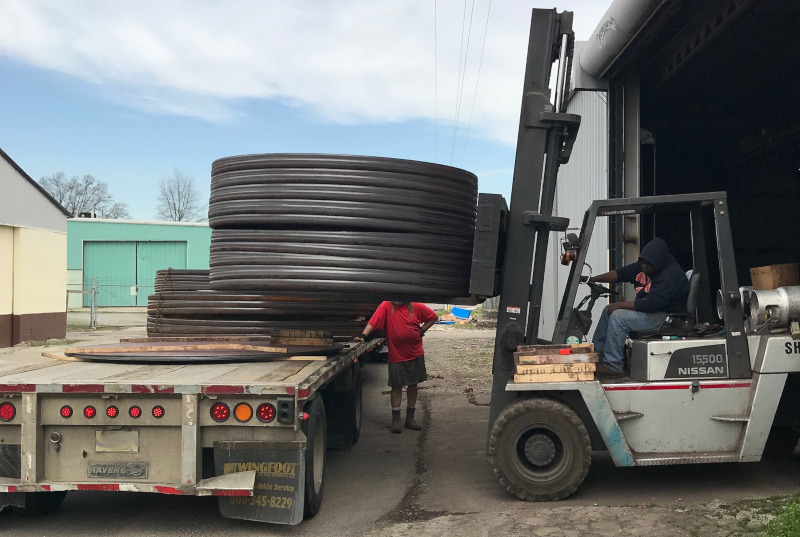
(408, 372)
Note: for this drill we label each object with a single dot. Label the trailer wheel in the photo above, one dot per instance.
(357, 409)
(41, 503)
(316, 455)
(540, 449)
(343, 412)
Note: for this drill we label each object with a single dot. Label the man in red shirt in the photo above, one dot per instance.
(404, 324)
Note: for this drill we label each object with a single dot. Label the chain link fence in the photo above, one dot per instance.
(102, 305)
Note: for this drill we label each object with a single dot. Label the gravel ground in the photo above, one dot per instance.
(459, 361)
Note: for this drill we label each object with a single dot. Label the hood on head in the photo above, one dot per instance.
(656, 252)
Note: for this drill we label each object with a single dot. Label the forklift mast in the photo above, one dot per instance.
(545, 139)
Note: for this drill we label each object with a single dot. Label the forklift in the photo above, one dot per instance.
(694, 393)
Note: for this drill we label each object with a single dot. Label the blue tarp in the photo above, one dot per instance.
(461, 313)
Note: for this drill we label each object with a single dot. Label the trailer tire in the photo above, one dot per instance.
(344, 412)
(357, 402)
(315, 429)
(42, 503)
(540, 449)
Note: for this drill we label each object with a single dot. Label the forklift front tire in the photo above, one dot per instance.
(540, 449)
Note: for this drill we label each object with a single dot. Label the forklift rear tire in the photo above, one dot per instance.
(316, 455)
(782, 441)
(540, 449)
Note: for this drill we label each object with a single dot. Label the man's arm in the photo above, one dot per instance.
(607, 277)
(365, 334)
(612, 277)
(424, 327)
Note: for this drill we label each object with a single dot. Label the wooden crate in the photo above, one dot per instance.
(555, 363)
(774, 276)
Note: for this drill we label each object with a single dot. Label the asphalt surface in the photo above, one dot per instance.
(438, 482)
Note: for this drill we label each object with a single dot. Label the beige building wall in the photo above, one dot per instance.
(6, 284)
(39, 284)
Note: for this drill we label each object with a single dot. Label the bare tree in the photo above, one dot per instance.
(83, 195)
(179, 199)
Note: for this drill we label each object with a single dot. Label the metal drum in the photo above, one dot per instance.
(776, 306)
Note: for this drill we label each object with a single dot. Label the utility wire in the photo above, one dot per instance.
(477, 79)
(436, 78)
(462, 68)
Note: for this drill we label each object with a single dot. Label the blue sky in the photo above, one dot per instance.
(130, 91)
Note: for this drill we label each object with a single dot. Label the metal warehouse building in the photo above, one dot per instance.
(121, 257)
(33, 255)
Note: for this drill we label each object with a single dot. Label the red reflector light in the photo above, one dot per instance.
(158, 411)
(112, 411)
(90, 412)
(265, 412)
(135, 412)
(66, 411)
(7, 411)
(220, 412)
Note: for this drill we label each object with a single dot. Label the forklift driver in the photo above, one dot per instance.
(661, 288)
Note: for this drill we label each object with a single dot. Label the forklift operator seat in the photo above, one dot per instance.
(676, 324)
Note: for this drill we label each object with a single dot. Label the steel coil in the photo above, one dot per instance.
(181, 280)
(335, 225)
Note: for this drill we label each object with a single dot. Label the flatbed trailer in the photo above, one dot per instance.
(254, 434)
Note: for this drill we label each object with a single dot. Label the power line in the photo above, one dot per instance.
(477, 79)
(436, 77)
(461, 73)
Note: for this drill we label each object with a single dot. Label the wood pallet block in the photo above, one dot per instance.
(575, 348)
(548, 369)
(301, 337)
(555, 358)
(555, 377)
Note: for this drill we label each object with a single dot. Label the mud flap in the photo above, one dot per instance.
(279, 486)
(10, 468)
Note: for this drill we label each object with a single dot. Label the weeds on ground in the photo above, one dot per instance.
(787, 522)
(51, 342)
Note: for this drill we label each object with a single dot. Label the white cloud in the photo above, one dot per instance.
(349, 61)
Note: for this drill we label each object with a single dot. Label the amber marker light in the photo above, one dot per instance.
(243, 412)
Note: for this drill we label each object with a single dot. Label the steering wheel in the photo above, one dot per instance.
(601, 289)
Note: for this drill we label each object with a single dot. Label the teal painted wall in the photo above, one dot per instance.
(122, 257)
(197, 238)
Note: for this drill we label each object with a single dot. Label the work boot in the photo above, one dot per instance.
(411, 423)
(396, 422)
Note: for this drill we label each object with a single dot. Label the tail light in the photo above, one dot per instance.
(243, 412)
(89, 412)
(66, 411)
(135, 412)
(265, 412)
(7, 411)
(112, 411)
(158, 411)
(220, 412)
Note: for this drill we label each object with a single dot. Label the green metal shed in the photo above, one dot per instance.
(121, 257)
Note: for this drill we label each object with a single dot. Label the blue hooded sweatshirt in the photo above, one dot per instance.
(667, 290)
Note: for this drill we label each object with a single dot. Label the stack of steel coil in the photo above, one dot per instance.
(181, 280)
(183, 305)
(332, 225)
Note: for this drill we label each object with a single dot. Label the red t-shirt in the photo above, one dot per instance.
(402, 329)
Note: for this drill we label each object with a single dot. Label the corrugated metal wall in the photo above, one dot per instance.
(581, 181)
